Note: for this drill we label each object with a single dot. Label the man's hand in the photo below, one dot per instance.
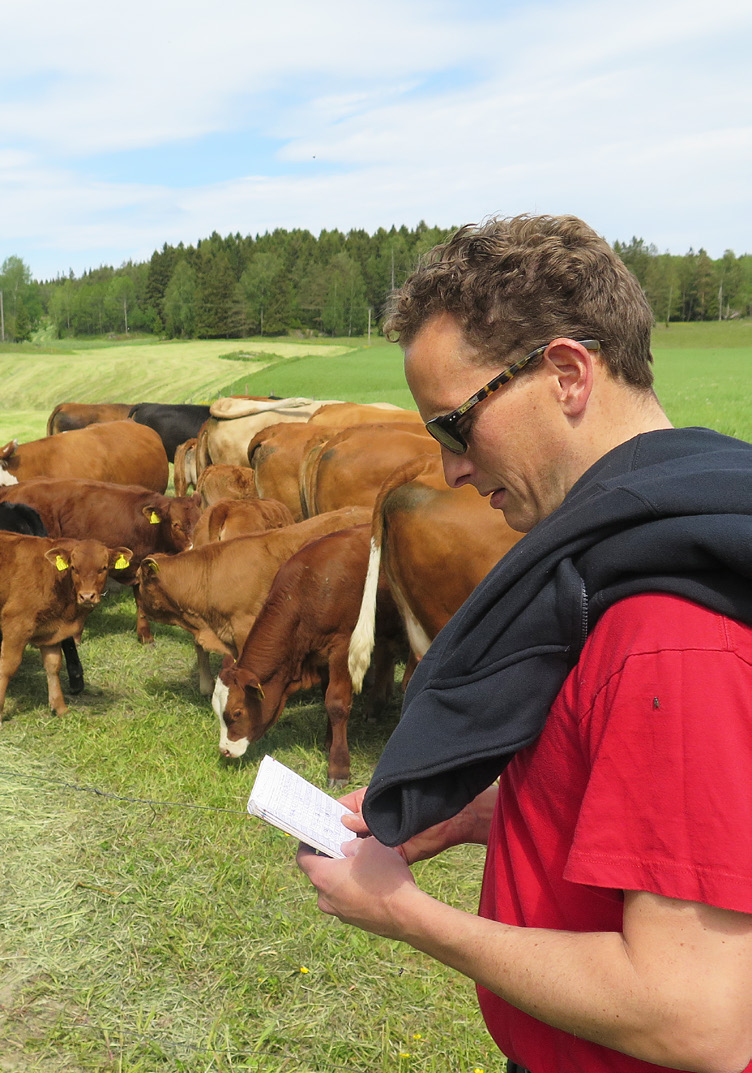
(472, 824)
(370, 888)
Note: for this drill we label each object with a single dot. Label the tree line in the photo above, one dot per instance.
(334, 284)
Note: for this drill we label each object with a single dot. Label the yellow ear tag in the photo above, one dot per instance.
(121, 562)
(260, 692)
(60, 563)
(154, 518)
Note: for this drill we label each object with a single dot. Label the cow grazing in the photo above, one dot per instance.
(215, 592)
(115, 514)
(301, 638)
(225, 482)
(228, 518)
(121, 452)
(277, 454)
(22, 519)
(351, 466)
(184, 471)
(70, 415)
(48, 587)
(434, 544)
(224, 438)
(173, 424)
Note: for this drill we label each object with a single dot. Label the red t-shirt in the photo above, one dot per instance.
(641, 780)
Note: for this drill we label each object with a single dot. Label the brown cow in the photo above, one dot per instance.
(301, 638)
(234, 422)
(228, 518)
(115, 514)
(184, 474)
(351, 466)
(435, 545)
(276, 455)
(225, 482)
(347, 414)
(70, 415)
(215, 592)
(47, 589)
(121, 452)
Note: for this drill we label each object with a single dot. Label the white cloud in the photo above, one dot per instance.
(636, 118)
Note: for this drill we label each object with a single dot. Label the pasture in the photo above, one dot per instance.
(148, 923)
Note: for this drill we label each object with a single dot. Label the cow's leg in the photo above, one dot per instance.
(412, 663)
(10, 660)
(52, 658)
(338, 702)
(205, 680)
(73, 666)
(142, 623)
(383, 680)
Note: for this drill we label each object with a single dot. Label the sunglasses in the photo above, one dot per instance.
(444, 428)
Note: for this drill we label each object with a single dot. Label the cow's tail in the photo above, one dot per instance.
(364, 635)
(202, 455)
(51, 430)
(309, 469)
(181, 475)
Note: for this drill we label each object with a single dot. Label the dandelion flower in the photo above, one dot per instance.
(304, 969)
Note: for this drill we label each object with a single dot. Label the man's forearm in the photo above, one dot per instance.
(587, 984)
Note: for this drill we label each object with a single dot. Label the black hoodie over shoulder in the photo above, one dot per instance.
(668, 511)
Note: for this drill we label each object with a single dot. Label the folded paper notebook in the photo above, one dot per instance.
(290, 802)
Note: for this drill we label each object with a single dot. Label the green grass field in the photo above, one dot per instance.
(152, 926)
(149, 936)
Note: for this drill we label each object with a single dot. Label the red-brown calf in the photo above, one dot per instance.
(122, 452)
(301, 638)
(144, 521)
(215, 592)
(47, 589)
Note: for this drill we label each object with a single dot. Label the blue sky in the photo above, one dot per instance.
(126, 126)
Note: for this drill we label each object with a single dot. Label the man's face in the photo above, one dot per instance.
(516, 437)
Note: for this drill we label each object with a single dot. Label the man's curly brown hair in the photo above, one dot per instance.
(514, 284)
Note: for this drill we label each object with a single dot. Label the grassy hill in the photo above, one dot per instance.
(702, 374)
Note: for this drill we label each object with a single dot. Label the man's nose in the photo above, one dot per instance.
(457, 468)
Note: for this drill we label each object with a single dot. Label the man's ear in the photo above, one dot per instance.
(574, 367)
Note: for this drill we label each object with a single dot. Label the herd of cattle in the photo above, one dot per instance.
(306, 542)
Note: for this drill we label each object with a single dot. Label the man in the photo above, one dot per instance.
(603, 670)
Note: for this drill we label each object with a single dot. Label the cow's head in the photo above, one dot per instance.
(177, 519)
(155, 601)
(86, 563)
(239, 704)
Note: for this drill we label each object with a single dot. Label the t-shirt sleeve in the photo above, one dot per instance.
(668, 803)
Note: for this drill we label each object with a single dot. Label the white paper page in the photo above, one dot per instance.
(290, 802)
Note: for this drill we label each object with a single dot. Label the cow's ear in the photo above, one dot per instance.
(152, 514)
(227, 662)
(196, 498)
(9, 449)
(149, 565)
(59, 557)
(255, 687)
(120, 558)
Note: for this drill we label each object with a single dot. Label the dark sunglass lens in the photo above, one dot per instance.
(450, 440)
